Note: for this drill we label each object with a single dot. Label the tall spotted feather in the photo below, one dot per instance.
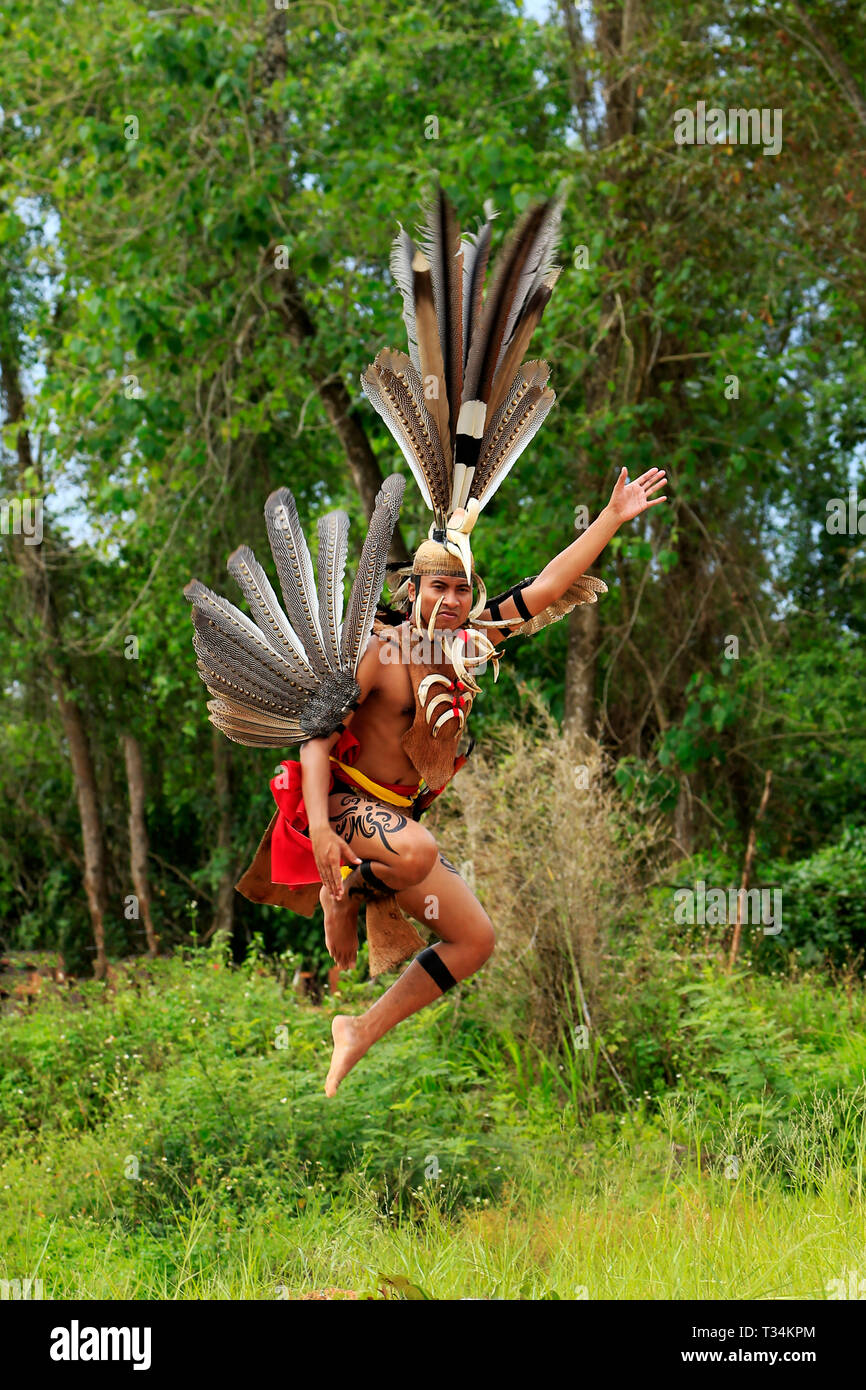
(519, 418)
(264, 604)
(370, 577)
(476, 251)
(295, 570)
(333, 548)
(395, 390)
(513, 263)
(442, 246)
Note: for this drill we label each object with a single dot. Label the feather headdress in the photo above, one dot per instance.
(463, 405)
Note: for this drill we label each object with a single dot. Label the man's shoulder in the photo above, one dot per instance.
(382, 628)
(387, 633)
(382, 659)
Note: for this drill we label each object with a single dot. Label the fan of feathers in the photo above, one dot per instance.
(289, 674)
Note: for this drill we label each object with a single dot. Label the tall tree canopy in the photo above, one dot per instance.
(195, 227)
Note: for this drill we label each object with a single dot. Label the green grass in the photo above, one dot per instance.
(690, 1239)
(155, 1143)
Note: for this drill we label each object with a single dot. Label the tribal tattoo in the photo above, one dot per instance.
(368, 821)
(448, 865)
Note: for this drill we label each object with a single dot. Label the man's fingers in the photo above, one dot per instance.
(334, 886)
(336, 881)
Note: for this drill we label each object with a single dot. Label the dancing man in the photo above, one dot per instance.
(379, 706)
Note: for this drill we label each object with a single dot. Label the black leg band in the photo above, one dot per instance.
(435, 966)
(364, 883)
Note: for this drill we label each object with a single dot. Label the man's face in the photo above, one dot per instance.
(456, 596)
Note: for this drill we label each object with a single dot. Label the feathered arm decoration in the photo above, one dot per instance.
(290, 674)
(586, 589)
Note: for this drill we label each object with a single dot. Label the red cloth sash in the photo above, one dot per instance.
(292, 858)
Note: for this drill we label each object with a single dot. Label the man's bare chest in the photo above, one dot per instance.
(380, 723)
(394, 696)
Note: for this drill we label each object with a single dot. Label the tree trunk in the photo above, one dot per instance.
(88, 811)
(580, 669)
(615, 28)
(138, 843)
(684, 820)
(747, 867)
(31, 560)
(224, 912)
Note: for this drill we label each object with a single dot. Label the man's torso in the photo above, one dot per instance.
(382, 719)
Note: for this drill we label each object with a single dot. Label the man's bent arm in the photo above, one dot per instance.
(315, 776)
(557, 576)
(316, 752)
(627, 501)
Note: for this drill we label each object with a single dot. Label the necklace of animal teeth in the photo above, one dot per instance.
(450, 697)
(462, 662)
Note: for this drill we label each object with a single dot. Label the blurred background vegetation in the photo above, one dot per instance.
(165, 366)
(196, 215)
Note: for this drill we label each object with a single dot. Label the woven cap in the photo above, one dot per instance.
(433, 558)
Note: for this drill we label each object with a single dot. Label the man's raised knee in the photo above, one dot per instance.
(419, 854)
(486, 940)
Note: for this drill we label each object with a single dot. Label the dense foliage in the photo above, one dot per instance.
(709, 318)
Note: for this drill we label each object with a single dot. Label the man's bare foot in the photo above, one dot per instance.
(350, 1045)
(341, 927)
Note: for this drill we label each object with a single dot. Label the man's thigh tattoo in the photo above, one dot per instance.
(368, 822)
(448, 865)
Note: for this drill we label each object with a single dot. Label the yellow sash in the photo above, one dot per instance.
(394, 798)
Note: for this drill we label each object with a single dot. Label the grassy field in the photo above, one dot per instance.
(170, 1138)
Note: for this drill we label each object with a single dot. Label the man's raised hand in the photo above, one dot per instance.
(628, 500)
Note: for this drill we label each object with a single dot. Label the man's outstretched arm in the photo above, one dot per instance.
(627, 501)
